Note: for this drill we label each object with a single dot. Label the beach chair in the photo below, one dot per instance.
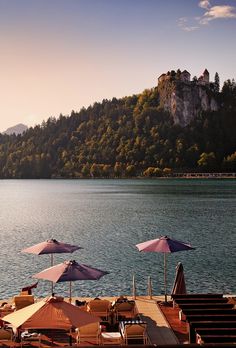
(89, 333)
(126, 309)
(6, 334)
(132, 331)
(22, 301)
(100, 308)
(27, 338)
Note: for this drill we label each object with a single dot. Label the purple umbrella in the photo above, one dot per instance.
(69, 271)
(179, 286)
(164, 245)
(51, 246)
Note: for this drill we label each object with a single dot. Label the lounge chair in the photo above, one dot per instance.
(134, 331)
(90, 332)
(100, 308)
(27, 337)
(6, 334)
(126, 309)
(22, 301)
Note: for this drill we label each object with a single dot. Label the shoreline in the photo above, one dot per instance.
(209, 176)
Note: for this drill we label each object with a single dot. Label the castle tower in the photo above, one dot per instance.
(185, 76)
(206, 76)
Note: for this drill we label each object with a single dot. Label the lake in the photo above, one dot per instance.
(107, 218)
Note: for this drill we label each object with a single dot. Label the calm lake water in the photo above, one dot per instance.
(107, 218)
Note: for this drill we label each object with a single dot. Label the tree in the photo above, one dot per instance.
(230, 162)
(207, 161)
(95, 171)
(167, 171)
(118, 169)
(217, 82)
(130, 170)
(85, 171)
(152, 171)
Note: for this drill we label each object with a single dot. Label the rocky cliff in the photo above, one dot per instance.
(185, 99)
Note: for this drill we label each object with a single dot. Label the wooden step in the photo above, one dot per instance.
(215, 338)
(206, 305)
(183, 296)
(201, 323)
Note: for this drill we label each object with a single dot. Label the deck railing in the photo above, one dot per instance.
(149, 287)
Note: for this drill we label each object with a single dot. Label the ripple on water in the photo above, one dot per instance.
(107, 218)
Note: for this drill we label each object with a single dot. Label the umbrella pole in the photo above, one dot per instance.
(70, 293)
(134, 288)
(51, 266)
(165, 282)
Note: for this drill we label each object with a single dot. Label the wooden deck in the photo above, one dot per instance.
(159, 330)
(164, 328)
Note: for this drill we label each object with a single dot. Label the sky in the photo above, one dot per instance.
(61, 55)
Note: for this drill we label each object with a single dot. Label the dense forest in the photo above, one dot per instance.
(126, 137)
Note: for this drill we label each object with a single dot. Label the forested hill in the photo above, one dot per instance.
(131, 136)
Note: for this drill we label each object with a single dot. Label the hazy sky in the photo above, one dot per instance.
(61, 55)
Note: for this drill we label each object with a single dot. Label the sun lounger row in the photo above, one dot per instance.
(134, 331)
(106, 310)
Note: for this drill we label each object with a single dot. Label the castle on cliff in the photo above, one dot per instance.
(185, 76)
(184, 98)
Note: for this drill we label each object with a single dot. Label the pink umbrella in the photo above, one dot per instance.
(164, 245)
(51, 246)
(70, 271)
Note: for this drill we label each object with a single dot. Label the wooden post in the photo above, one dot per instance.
(134, 288)
(150, 287)
(51, 266)
(165, 281)
(70, 299)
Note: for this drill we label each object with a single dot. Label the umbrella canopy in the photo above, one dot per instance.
(164, 245)
(179, 286)
(70, 271)
(50, 313)
(51, 246)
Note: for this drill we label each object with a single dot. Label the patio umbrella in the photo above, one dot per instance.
(179, 286)
(164, 245)
(51, 246)
(69, 271)
(50, 313)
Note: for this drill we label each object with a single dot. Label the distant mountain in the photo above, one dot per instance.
(17, 129)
